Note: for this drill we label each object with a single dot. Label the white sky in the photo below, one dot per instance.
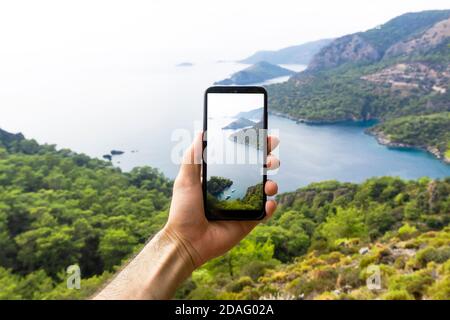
(227, 29)
(229, 105)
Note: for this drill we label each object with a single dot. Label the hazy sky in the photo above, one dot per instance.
(229, 105)
(168, 29)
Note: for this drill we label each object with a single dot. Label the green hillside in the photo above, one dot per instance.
(325, 239)
(59, 208)
(427, 131)
(259, 72)
(398, 69)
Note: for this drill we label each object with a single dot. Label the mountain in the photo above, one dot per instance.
(256, 73)
(400, 69)
(239, 123)
(390, 39)
(300, 54)
(252, 114)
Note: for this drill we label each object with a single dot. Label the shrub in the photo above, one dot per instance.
(429, 254)
(256, 269)
(326, 296)
(362, 293)
(203, 293)
(397, 295)
(406, 231)
(241, 283)
(415, 283)
(349, 277)
(440, 290)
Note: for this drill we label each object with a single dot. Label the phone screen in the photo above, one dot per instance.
(235, 154)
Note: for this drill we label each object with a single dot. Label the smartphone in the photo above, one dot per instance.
(234, 152)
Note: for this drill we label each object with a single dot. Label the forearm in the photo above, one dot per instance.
(155, 273)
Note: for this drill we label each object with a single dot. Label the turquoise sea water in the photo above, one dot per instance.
(344, 152)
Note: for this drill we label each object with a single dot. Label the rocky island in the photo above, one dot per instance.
(245, 137)
(239, 124)
(117, 152)
(256, 73)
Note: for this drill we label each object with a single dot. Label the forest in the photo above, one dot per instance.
(59, 208)
(325, 238)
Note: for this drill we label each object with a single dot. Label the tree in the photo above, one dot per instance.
(346, 223)
(114, 246)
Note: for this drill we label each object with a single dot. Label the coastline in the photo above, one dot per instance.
(306, 121)
(381, 138)
(385, 141)
(323, 122)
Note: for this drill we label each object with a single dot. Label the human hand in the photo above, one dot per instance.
(187, 223)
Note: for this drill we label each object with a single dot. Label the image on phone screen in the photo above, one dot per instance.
(235, 153)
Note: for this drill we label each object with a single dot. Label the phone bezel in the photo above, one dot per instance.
(233, 214)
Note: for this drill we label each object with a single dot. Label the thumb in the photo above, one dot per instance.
(191, 165)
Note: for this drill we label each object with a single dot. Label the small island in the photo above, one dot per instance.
(246, 137)
(185, 64)
(117, 152)
(239, 124)
(256, 73)
(109, 156)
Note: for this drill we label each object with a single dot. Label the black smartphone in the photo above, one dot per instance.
(234, 152)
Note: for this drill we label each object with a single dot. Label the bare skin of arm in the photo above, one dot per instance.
(188, 239)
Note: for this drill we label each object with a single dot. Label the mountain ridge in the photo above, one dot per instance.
(371, 45)
(259, 72)
(298, 54)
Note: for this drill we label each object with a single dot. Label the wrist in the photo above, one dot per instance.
(170, 263)
(183, 246)
(155, 273)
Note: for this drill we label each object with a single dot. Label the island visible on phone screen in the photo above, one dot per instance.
(235, 152)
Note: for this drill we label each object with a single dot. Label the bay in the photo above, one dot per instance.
(97, 105)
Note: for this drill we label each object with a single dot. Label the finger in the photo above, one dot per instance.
(191, 165)
(272, 162)
(271, 188)
(271, 206)
(272, 143)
